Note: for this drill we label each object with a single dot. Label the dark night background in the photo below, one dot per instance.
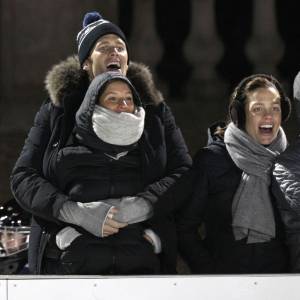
(198, 51)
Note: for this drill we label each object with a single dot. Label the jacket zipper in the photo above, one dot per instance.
(43, 243)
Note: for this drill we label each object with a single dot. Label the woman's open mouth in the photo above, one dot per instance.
(266, 129)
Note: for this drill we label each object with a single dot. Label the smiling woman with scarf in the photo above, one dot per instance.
(232, 182)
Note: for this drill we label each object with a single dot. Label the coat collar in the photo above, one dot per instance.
(67, 78)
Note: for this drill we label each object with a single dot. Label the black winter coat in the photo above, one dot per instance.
(165, 155)
(214, 180)
(287, 174)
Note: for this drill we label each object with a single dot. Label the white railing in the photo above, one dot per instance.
(276, 287)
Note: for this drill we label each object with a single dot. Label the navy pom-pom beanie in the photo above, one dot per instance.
(94, 27)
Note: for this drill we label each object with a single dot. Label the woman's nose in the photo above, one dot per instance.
(268, 113)
(122, 102)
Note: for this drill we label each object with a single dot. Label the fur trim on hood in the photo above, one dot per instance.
(141, 78)
(67, 77)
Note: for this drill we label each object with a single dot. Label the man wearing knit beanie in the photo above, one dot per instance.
(102, 46)
(287, 175)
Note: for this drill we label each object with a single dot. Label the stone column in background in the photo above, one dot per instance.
(203, 50)
(233, 21)
(265, 47)
(289, 29)
(125, 19)
(144, 43)
(173, 25)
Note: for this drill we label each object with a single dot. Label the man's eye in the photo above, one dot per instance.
(103, 49)
(277, 108)
(120, 48)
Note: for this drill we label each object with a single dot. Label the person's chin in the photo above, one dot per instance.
(266, 140)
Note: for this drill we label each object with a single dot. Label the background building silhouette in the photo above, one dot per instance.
(197, 50)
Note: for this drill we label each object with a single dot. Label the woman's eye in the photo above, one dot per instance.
(113, 100)
(257, 109)
(276, 108)
(129, 100)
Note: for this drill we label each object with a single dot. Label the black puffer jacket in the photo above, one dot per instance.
(165, 157)
(287, 174)
(84, 168)
(214, 180)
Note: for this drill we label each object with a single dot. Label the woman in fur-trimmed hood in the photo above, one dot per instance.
(62, 216)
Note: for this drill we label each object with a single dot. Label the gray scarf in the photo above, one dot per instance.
(252, 210)
(120, 129)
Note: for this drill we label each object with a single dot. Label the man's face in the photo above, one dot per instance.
(108, 54)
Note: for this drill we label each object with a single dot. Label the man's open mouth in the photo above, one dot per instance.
(113, 66)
